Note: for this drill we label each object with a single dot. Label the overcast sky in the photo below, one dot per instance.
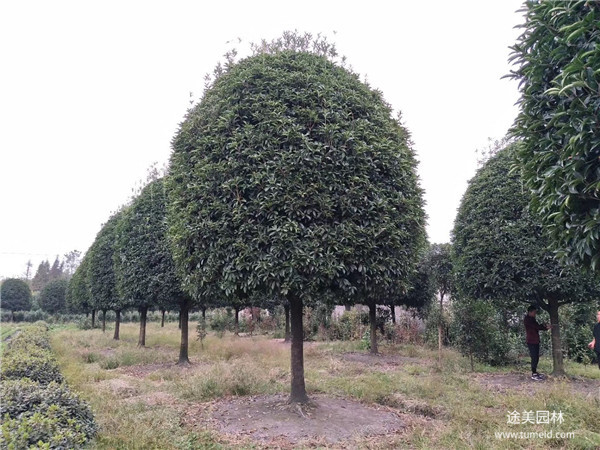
(91, 93)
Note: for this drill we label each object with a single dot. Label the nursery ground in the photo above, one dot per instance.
(233, 395)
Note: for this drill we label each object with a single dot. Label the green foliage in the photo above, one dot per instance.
(35, 364)
(144, 268)
(15, 295)
(291, 176)
(478, 330)
(100, 272)
(79, 297)
(53, 297)
(558, 56)
(23, 398)
(501, 250)
(439, 262)
(36, 408)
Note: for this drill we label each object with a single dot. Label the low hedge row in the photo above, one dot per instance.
(37, 408)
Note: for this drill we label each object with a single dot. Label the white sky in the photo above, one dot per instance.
(91, 93)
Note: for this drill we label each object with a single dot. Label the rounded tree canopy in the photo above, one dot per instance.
(53, 297)
(558, 56)
(291, 176)
(15, 295)
(501, 251)
(144, 267)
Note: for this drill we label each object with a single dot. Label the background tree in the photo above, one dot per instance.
(501, 250)
(144, 267)
(101, 274)
(79, 296)
(15, 295)
(439, 262)
(41, 277)
(291, 177)
(558, 56)
(52, 299)
(71, 261)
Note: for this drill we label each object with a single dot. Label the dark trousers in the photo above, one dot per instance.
(598, 357)
(534, 352)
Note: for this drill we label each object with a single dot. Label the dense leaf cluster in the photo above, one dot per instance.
(144, 267)
(37, 409)
(290, 176)
(558, 58)
(52, 299)
(501, 250)
(15, 295)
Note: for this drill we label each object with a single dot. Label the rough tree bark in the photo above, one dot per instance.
(179, 320)
(143, 318)
(287, 322)
(204, 313)
(93, 318)
(162, 320)
(373, 323)
(103, 320)
(298, 391)
(557, 356)
(183, 322)
(117, 325)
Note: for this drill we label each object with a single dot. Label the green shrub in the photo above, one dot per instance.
(34, 337)
(42, 431)
(38, 366)
(23, 398)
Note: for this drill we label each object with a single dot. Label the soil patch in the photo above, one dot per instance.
(504, 382)
(383, 360)
(327, 420)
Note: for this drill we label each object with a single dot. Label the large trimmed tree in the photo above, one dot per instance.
(292, 177)
(144, 267)
(558, 59)
(501, 251)
(15, 295)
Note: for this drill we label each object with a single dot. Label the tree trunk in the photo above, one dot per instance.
(179, 320)
(347, 308)
(12, 316)
(103, 320)
(557, 356)
(298, 391)
(162, 320)
(183, 323)
(286, 308)
(373, 322)
(93, 318)
(143, 317)
(204, 313)
(236, 321)
(393, 310)
(440, 329)
(117, 325)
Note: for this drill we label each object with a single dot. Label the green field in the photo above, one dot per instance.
(142, 401)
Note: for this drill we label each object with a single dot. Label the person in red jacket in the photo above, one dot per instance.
(532, 331)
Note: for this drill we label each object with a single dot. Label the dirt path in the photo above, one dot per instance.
(505, 382)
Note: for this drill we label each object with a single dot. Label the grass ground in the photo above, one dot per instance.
(142, 401)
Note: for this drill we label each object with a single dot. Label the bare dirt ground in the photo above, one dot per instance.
(521, 382)
(269, 419)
